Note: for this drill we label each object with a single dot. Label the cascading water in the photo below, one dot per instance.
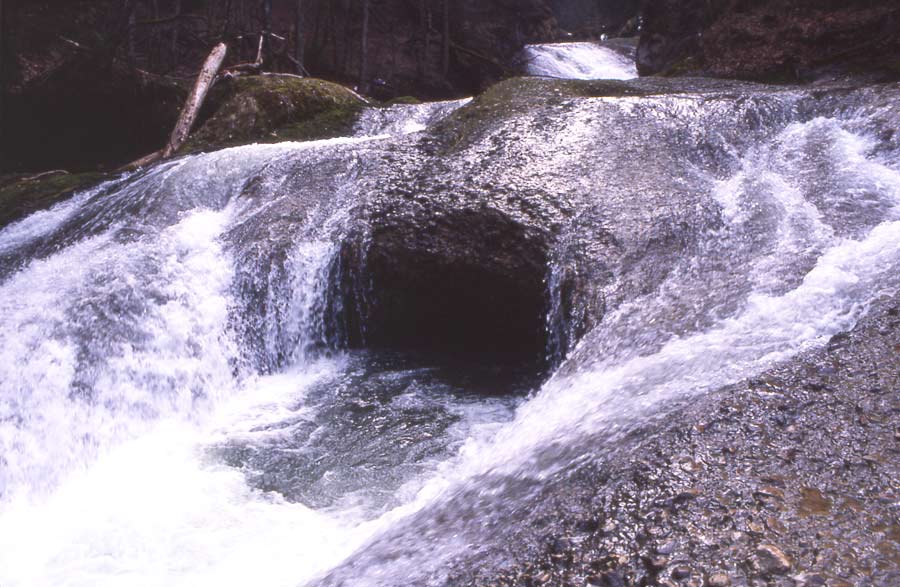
(803, 259)
(175, 408)
(402, 119)
(578, 61)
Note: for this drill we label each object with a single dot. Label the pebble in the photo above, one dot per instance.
(719, 580)
(768, 494)
(807, 580)
(775, 525)
(873, 459)
(667, 548)
(771, 560)
(688, 495)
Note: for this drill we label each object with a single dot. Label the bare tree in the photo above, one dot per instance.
(131, 25)
(8, 65)
(445, 39)
(266, 34)
(364, 48)
(173, 52)
(299, 37)
(423, 38)
(4, 56)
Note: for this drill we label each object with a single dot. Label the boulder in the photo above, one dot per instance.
(274, 107)
(614, 195)
(475, 231)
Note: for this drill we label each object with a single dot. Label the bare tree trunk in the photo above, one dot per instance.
(266, 49)
(154, 52)
(173, 51)
(335, 37)
(240, 27)
(129, 39)
(348, 36)
(4, 66)
(364, 49)
(423, 40)
(299, 37)
(445, 50)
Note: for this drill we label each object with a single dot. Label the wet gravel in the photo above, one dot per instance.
(791, 478)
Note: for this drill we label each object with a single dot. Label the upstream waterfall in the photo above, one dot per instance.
(578, 61)
(185, 401)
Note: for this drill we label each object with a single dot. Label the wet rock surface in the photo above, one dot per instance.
(586, 204)
(464, 222)
(468, 219)
(786, 479)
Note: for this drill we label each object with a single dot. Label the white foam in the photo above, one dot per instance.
(116, 487)
(72, 383)
(404, 119)
(153, 513)
(578, 61)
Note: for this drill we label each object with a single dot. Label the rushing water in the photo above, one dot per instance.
(578, 61)
(176, 409)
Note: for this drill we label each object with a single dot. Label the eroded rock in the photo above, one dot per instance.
(771, 560)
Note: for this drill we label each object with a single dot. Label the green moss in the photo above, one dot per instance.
(509, 97)
(685, 67)
(20, 196)
(271, 108)
(337, 122)
(403, 100)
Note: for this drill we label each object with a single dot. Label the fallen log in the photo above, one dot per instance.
(195, 101)
(205, 80)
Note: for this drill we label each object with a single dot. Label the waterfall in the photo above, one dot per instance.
(179, 405)
(578, 61)
(400, 119)
(806, 269)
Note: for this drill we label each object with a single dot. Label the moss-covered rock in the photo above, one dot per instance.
(520, 94)
(502, 100)
(20, 195)
(269, 108)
